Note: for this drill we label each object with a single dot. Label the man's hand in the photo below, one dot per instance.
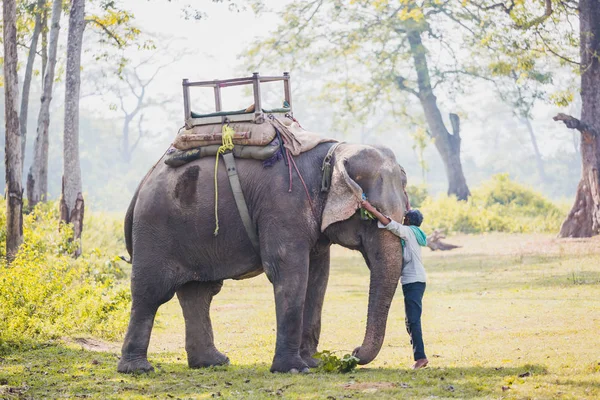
(368, 206)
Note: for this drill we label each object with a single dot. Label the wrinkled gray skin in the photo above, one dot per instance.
(169, 234)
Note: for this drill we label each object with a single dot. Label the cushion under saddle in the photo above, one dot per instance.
(246, 133)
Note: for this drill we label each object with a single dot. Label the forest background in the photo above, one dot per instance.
(503, 69)
(131, 106)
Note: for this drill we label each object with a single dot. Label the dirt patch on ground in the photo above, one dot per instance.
(519, 244)
(94, 344)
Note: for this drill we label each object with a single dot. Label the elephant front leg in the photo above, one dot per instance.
(289, 277)
(313, 305)
(195, 299)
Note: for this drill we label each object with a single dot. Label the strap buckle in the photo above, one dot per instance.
(326, 168)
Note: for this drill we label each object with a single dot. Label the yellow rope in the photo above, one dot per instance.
(227, 145)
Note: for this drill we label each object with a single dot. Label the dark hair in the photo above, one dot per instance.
(414, 217)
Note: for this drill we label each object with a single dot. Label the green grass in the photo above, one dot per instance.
(519, 312)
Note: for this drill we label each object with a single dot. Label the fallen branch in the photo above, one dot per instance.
(434, 241)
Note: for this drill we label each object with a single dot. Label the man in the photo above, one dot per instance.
(413, 273)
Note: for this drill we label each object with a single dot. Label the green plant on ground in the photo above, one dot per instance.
(45, 293)
(332, 363)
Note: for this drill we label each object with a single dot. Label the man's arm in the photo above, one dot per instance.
(380, 217)
(393, 226)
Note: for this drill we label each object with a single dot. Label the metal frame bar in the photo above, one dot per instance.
(186, 100)
(287, 91)
(218, 104)
(255, 80)
(237, 81)
(258, 114)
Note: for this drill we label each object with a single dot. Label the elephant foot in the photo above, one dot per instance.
(292, 365)
(139, 365)
(207, 359)
(309, 359)
(311, 362)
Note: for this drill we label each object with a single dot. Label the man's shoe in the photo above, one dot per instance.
(422, 363)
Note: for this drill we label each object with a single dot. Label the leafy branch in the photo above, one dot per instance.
(332, 363)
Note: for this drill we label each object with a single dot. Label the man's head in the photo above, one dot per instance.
(413, 217)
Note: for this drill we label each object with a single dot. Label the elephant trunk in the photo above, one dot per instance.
(385, 274)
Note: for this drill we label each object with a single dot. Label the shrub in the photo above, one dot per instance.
(416, 195)
(499, 205)
(45, 293)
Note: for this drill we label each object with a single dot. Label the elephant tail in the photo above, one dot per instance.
(128, 225)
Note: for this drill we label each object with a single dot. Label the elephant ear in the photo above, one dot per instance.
(344, 196)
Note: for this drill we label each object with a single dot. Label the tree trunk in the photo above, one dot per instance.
(27, 79)
(44, 41)
(72, 205)
(125, 142)
(37, 180)
(14, 206)
(536, 150)
(584, 218)
(447, 144)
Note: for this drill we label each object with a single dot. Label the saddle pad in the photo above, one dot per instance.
(246, 133)
(176, 158)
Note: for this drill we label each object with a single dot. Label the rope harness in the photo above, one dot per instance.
(236, 188)
(227, 145)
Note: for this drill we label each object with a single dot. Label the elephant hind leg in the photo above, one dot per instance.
(147, 296)
(134, 353)
(195, 299)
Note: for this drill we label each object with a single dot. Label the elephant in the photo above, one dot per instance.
(169, 234)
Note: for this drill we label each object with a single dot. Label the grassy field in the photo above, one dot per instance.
(506, 316)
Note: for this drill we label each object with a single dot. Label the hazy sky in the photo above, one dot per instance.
(209, 49)
(212, 44)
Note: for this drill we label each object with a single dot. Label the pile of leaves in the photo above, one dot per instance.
(332, 363)
(45, 293)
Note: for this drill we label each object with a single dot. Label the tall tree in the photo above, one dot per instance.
(71, 203)
(447, 144)
(584, 218)
(377, 52)
(44, 49)
(137, 86)
(14, 216)
(547, 31)
(37, 179)
(37, 12)
(520, 90)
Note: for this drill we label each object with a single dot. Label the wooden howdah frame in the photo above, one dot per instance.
(257, 116)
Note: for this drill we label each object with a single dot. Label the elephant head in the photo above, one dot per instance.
(373, 171)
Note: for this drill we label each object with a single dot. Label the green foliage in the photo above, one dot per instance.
(332, 363)
(562, 98)
(416, 195)
(421, 139)
(46, 294)
(499, 205)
